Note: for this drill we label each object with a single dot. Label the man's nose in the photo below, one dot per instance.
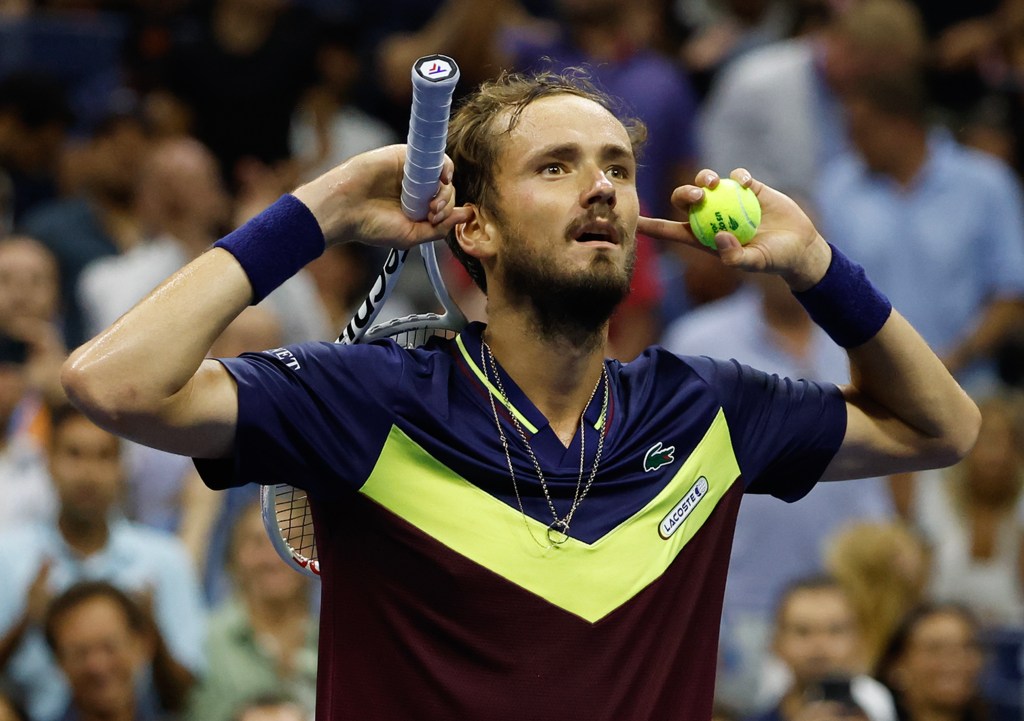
(598, 189)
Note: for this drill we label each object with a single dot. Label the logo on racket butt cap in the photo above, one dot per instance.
(436, 68)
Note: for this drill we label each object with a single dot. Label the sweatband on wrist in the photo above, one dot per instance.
(275, 245)
(845, 304)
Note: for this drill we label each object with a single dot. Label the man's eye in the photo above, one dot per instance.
(618, 171)
(553, 169)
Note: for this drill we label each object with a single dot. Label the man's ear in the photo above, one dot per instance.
(477, 235)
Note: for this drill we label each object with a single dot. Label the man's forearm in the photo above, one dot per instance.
(897, 370)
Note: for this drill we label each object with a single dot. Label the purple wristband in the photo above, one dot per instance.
(275, 245)
(845, 304)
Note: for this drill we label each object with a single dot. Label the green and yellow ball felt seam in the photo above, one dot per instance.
(728, 207)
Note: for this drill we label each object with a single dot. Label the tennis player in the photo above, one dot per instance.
(509, 525)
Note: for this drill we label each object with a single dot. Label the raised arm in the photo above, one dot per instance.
(147, 377)
(904, 410)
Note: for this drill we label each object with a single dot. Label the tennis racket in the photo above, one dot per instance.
(286, 513)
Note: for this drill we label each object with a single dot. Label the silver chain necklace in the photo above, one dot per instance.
(558, 529)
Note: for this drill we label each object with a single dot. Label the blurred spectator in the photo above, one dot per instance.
(776, 111)
(718, 31)
(24, 483)
(913, 182)
(971, 515)
(884, 569)
(242, 76)
(343, 276)
(106, 646)
(817, 638)
(264, 638)
(184, 207)
(101, 218)
(762, 325)
(34, 120)
(29, 311)
(970, 47)
(88, 542)
(329, 128)
(272, 707)
(933, 663)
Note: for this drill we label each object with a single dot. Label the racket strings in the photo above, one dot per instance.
(295, 522)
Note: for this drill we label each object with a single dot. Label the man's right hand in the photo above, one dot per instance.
(361, 200)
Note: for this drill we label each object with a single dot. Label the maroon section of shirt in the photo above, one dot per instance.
(412, 630)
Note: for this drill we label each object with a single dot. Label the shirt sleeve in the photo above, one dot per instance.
(785, 432)
(314, 416)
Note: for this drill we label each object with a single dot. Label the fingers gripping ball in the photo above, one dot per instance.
(729, 207)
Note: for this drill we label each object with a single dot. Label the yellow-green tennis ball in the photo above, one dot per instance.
(729, 207)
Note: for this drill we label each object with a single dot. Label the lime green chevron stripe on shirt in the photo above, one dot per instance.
(494, 391)
(482, 377)
(589, 580)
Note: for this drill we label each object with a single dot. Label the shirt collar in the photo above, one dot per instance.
(470, 344)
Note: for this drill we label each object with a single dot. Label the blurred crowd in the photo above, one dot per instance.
(134, 133)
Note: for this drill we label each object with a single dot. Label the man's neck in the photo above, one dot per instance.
(83, 537)
(557, 376)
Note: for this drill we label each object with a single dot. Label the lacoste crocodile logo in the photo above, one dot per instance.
(657, 456)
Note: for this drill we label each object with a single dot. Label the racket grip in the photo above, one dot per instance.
(433, 83)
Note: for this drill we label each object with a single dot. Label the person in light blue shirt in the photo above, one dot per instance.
(938, 226)
(87, 542)
(776, 110)
(762, 325)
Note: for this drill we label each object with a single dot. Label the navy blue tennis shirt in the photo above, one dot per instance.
(438, 602)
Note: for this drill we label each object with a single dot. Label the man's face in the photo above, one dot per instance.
(100, 655)
(85, 464)
(817, 635)
(567, 202)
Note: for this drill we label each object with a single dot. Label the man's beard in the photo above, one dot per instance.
(571, 306)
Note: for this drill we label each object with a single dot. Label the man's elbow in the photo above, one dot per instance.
(103, 398)
(962, 434)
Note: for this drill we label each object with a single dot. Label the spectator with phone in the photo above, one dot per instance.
(816, 637)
